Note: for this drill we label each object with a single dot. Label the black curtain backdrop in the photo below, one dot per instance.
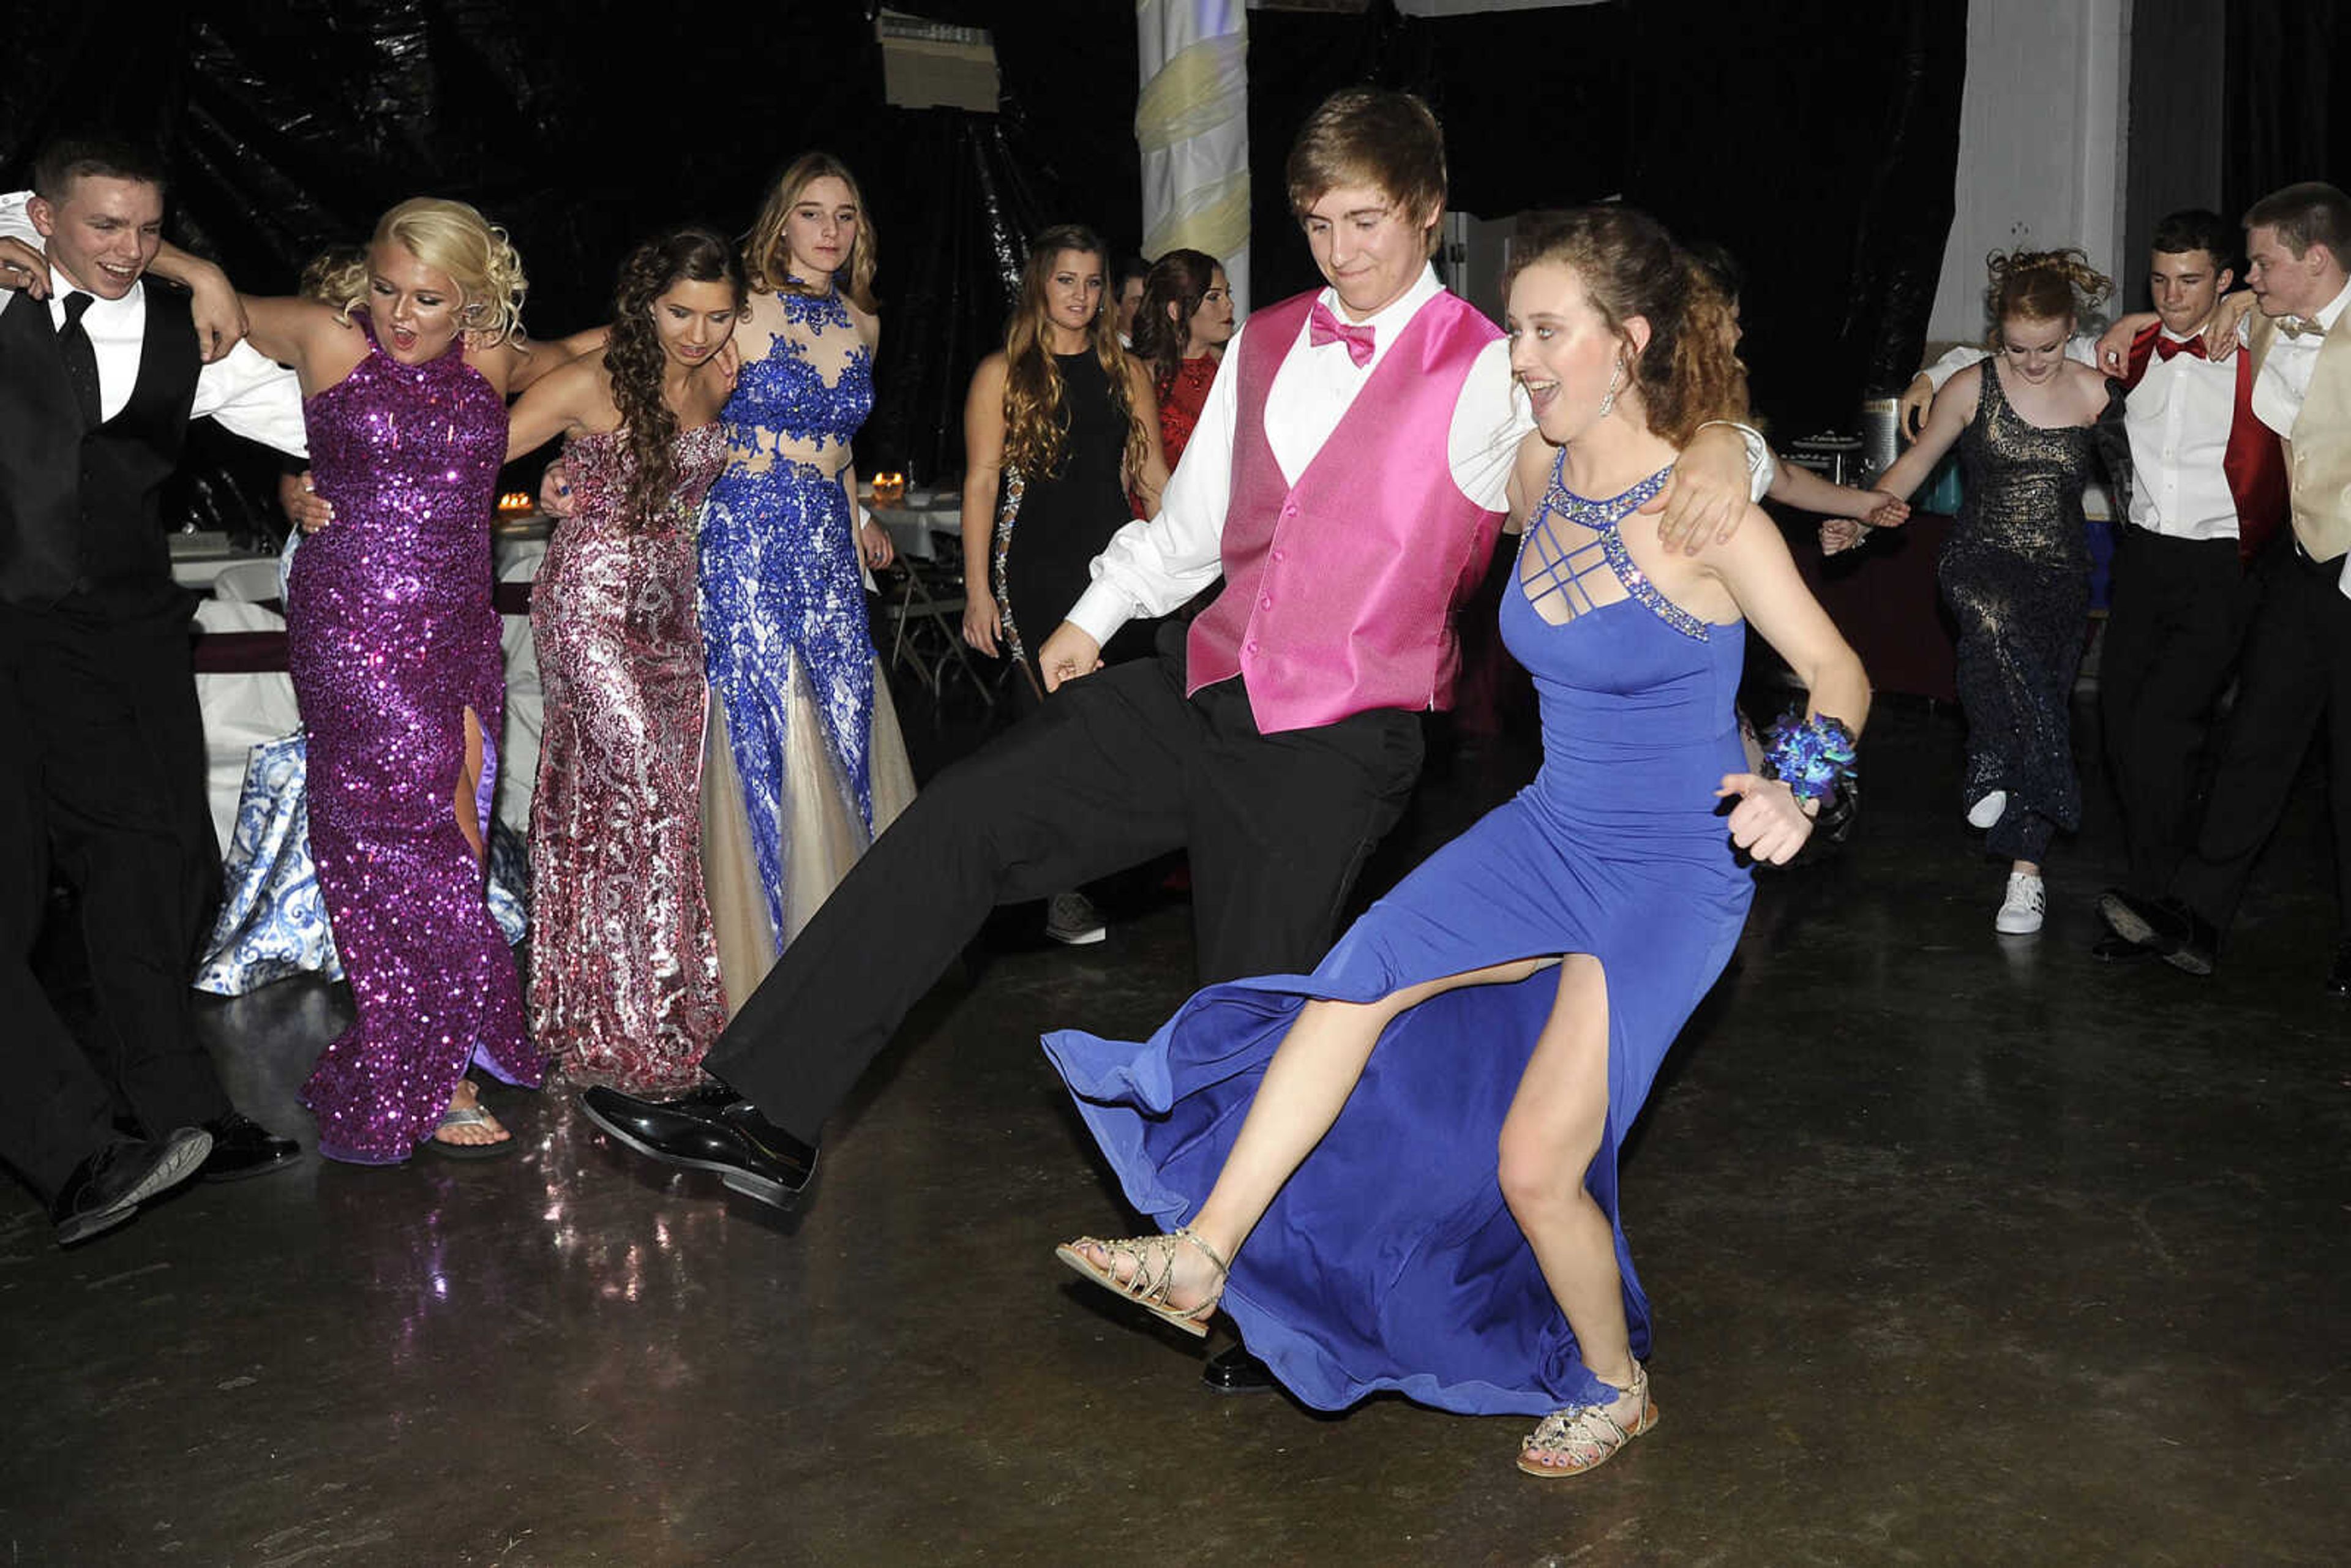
(1816, 140)
(582, 128)
(2288, 99)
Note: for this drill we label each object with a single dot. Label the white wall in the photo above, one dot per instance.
(2041, 153)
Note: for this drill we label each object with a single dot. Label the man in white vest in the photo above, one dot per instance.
(2296, 668)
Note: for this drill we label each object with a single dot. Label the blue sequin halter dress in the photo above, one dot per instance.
(1389, 1261)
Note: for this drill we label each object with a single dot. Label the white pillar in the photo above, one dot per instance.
(1191, 120)
(2043, 144)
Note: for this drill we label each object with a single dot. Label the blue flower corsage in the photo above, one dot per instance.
(1810, 755)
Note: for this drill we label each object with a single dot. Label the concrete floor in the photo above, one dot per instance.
(1965, 1249)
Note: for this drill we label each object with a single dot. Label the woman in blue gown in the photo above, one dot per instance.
(805, 764)
(1408, 1157)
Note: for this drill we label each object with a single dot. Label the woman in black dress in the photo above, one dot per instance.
(2032, 428)
(1055, 427)
(1058, 427)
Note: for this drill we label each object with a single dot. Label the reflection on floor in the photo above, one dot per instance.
(1964, 1249)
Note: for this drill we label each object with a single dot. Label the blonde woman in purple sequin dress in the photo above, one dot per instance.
(406, 361)
(624, 980)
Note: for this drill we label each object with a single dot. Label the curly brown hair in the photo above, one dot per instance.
(1629, 266)
(2042, 284)
(767, 255)
(1181, 278)
(634, 359)
(1036, 419)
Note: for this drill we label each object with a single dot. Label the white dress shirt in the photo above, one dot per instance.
(2178, 418)
(1153, 565)
(245, 392)
(2279, 390)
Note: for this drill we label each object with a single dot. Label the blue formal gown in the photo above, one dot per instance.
(1389, 1261)
(812, 748)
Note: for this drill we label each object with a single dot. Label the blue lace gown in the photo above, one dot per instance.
(812, 765)
(1389, 1261)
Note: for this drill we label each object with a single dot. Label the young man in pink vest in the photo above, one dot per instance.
(2208, 496)
(1347, 480)
(2296, 668)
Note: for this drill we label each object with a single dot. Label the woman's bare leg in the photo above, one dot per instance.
(1549, 1140)
(469, 784)
(469, 822)
(1305, 1086)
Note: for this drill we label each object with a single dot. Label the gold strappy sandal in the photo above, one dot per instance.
(1153, 1259)
(1584, 1437)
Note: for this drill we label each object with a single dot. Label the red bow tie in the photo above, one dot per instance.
(2167, 348)
(1321, 327)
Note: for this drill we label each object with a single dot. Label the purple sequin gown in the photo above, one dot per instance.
(624, 985)
(391, 637)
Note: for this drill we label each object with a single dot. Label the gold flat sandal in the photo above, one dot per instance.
(1152, 1267)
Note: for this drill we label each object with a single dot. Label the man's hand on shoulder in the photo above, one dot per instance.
(1710, 492)
(23, 267)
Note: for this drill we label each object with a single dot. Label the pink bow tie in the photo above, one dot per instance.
(1321, 327)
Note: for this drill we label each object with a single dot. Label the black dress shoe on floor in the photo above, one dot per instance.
(709, 1128)
(243, 1147)
(2338, 977)
(2165, 927)
(108, 1187)
(1233, 1370)
(2114, 947)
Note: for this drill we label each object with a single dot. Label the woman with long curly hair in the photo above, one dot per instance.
(805, 764)
(1400, 1172)
(624, 980)
(2032, 427)
(1180, 332)
(406, 358)
(1058, 427)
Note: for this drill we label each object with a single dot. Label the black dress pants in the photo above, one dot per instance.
(1116, 769)
(2178, 620)
(103, 780)
(2295, 671)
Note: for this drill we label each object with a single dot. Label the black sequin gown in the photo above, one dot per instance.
(2016, 574)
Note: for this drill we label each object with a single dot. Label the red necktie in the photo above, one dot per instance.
(1321, 327)
(2167, 348)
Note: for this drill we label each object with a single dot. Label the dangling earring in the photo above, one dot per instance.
(1609, 400)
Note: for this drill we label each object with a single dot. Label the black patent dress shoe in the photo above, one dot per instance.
(243, 1147)
(1233, 1370)
(108, 1187)
(2165, 927)
(2114, 947)
(709, 1128)
(2338, 977)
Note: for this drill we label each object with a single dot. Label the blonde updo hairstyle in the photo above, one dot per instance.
(2042, 285)
(448, 237)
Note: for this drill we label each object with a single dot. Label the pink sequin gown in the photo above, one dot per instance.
(624, 985)
(391, 637)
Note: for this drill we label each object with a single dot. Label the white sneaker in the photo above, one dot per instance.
(2021, 911)
(1989, 809)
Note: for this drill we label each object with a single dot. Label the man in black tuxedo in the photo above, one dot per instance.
(101, 744)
